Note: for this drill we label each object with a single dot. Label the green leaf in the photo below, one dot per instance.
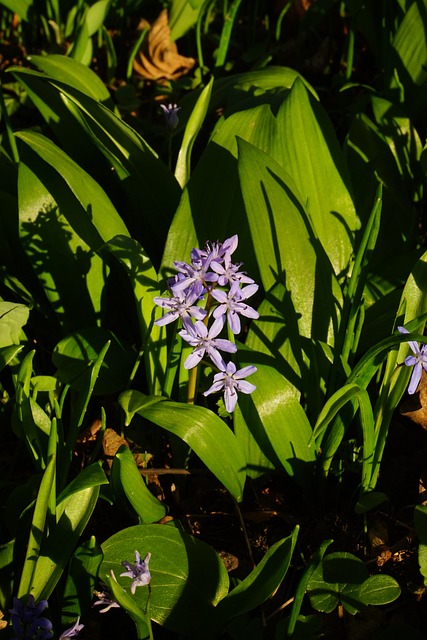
(335, 580)
(208, 436)
(20, 7)
(81, 581)
(302, 586)
(143, 279)
(95, 219)
(285, 246)
(96, 15)
(187, 576)
(57, 549)
(256, 588)
(131, 401)
(128, 603)
(7, 354)
(183, 15)
(378, 590)
(127, 483)
(6, 573)
(194, 124)
(307, 147)
(274, 409)
(91, 476)
(71, 274)
(78, 351)
(13, 317)
(73, 73)
(370, 500)
(37, 530)
(410, 46)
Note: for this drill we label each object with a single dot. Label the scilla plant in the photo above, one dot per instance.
(95, 227)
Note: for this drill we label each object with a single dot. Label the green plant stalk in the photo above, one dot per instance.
(282, 14)
(192, 385)
(199, 38)
(350, 55)
(8, 127)
(133, 53)
(99, 437)
(173, 362)
(224, 42)
(79, 412)
(37, 528)
(302, 586)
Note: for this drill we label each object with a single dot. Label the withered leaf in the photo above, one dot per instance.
(415, 407)
(158, 57)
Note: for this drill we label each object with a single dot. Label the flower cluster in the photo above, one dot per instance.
(28, 623)
(418, 361)
(207, 294)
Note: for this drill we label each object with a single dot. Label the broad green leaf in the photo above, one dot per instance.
(67, 131)
(13, 317)
(211, 205)
(89, 477)
(335, 580)
(273, 411)
(370, 500)
(378, 590)
(74, 354)
(187, 576)
(254, 444)
(71, 274)
(7, 354)
(58, 547)
(256, 588)
(410, 46)
(276, 333)
(97, 220)
(306, 146)
(74, 74)
(21, 7)
(370, 161)
(285, 246)
(183, 15)
(96, 15)
(127, 483)
(131, 401)
(208, 436)
(194, 124)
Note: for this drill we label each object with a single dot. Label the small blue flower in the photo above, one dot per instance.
(27, 621)
(73, 631)
(105, 599)
(139, 571)
(182, 305)
(232, 303)
(171, 114)
(205, 341)
(232, 381)
(418, 361)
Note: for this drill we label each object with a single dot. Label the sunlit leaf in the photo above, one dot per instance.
(187, 576)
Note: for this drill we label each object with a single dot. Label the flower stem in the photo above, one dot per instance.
(192, 383)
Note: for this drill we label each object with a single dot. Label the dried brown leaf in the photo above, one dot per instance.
(158, 57)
